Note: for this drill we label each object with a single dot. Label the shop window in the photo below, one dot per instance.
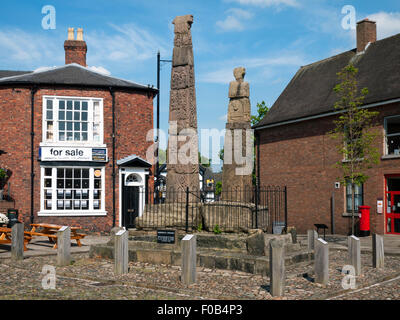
(358, 197)
(392, 130)
(73, 189)
(72, 120)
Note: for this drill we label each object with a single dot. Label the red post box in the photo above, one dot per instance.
(364, 213)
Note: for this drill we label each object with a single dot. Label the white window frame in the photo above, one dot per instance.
(390, 135)
(56, 142)
(84, 213)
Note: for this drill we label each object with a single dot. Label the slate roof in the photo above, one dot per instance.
(10, 73)
(71, 75)
(310, 92)
(133, 161)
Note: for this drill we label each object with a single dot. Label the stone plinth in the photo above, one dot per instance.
(277, 267)
(64, 246)
(321, 262)
(189, 259)
(378, 251)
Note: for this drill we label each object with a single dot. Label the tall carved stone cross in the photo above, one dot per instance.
(182, 153)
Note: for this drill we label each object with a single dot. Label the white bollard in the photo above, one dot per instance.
(17, 241)
(64, 246)
(321, 262)
(189, 258)
(355, 254)
(378, 251)
(121, 253)
(277, 267)
(312, 237)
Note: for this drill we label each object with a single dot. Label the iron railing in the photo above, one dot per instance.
(232, 210)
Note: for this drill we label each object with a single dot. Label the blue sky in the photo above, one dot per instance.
(270, 38)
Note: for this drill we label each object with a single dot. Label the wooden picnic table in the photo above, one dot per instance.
(50, 231)
(5, 237)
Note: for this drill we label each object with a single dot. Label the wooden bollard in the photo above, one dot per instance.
(378, 251)
(321, 262)
(64, 246)
(355, 254)
(17, 241)
(277, 267)
(121, 253)
(312, 237)
(189, 259)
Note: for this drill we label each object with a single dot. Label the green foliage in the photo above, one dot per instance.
(205, 162)
(353, 130)
(218, 188)
(200, 227)
(217, 230)
(262, 110)
(3, 174)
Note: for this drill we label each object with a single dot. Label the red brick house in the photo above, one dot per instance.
(294, 148)
(74, 142)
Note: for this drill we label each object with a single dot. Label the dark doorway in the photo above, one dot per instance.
(130, 206)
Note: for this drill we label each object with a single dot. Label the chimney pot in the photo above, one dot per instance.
(79, 35)
(75, 50)
(71, 35)
(366, 33)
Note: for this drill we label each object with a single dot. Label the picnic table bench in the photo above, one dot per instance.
(50, 231)
(5, 237)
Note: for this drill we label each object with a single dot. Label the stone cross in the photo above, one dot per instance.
(355, 254)
(64, 246)
(17, 241)
(189, 259)
(121, 252)
(321, 262)
(237, 133)
(312, 237)
(378, 251)
(277, 267)
(182, 162)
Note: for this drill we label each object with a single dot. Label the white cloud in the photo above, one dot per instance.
(258, 67)
(127, 43)
(235, 21)
(223, 118)
(267, 3)
(388, 23)
(23, 48)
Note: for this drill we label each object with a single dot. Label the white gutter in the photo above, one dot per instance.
(372, 105)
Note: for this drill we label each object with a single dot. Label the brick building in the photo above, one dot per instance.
(294, 148)
(74, 143)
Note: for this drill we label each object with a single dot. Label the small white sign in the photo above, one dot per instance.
(379, 205)
(120, 233)
(66, 154)
(187, 237)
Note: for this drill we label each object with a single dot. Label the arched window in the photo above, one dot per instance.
(133, 178)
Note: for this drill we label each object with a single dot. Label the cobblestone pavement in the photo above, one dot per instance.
(93, 278)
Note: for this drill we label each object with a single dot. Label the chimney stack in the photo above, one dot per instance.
(75, 50)
(366, 33)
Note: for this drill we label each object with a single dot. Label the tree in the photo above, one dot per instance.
(262, 110)
(352, 131)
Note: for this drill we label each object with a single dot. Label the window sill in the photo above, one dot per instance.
(71, 214)
(390, 156)
(87, 144)
(348, 214)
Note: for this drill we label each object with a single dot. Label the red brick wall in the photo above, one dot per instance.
(302, 157)
(134, 117)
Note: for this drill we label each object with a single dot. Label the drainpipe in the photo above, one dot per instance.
(33, 91)
(113, 151)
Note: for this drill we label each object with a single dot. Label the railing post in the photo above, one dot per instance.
(256, 195)
(286, 213)
(187, 209)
